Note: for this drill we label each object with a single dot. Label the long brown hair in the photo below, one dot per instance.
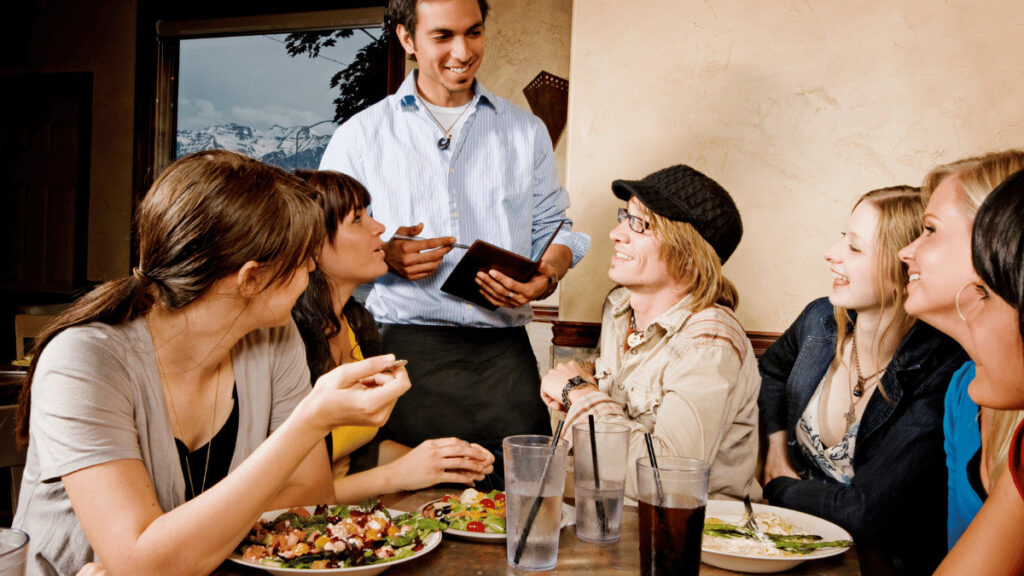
(204, 217)
(900, 210)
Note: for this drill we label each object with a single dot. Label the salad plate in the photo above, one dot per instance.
(430, 542)
(715, 551)
(568, 516)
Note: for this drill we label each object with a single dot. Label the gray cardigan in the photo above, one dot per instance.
(97, 397)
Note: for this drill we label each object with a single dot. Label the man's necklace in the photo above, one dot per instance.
(177, 424)
(445, 140)
(634, 337)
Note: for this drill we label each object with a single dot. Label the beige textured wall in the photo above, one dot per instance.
(795, 107)
(73, 36)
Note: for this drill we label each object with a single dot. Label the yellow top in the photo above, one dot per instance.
(347, 439)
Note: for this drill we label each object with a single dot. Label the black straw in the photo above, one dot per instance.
(539, 498)
(601, 517)
(654, 465)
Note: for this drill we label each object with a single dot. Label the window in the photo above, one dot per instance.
(270, 86)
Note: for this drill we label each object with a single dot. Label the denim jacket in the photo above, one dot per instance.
(896, 501)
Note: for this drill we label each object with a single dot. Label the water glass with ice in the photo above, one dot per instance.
(599, 475)
(534, 480)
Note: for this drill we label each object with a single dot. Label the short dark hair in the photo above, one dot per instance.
(404, 12)
(997, 243)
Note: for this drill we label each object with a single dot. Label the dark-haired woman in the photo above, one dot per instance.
(154, 397)
(337, 330)
(992, 307)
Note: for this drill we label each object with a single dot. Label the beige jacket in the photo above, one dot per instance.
(692, 383)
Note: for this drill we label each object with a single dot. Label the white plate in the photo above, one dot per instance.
(568, 513)
(429, 543)
(732, 512)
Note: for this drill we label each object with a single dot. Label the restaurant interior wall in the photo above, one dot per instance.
(796, 108)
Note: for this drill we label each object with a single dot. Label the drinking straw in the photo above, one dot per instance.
(539, 498)
(654, 466)
(597, 476)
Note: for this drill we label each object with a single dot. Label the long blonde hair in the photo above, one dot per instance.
(976, 177)
(690, 258)
(900, 210)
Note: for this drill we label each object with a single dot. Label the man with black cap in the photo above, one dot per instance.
(673, 359)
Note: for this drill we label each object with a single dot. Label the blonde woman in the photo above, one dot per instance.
(674, 360)
(992, 308)
(976, 439)
(851, 385)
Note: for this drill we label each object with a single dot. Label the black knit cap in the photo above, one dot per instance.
(683, 194)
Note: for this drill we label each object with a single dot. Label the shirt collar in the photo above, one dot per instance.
(406, 95)
(670, 321)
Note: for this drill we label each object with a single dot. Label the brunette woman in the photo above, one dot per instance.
(851, 385)
(154, 397)
(337, 329)
(992, 308)
(977, 439)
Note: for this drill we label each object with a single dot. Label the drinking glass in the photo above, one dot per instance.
(672, 500)
(534, 480)
(599, 492)
(13, 552)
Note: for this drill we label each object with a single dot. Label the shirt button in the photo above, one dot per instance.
(633, 351)
(455, 214)
(451, 170)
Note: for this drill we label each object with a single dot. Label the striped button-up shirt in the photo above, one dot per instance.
(497, 183)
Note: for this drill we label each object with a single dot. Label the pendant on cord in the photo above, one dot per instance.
(443, 143)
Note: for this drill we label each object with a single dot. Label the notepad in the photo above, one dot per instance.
(484, 256)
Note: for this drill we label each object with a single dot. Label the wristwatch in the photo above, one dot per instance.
(573, 383)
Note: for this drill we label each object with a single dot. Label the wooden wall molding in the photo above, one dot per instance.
(585, 335)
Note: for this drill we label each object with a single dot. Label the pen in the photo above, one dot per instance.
(404, 237)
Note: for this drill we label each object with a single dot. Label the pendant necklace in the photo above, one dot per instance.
(634, 337)
(857, 390)
(445, 140)
(177, 424)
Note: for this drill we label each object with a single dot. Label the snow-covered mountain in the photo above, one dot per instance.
(286, 147)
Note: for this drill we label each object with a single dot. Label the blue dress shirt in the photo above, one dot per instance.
(497, 183)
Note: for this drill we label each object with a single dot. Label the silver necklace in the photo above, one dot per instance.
(445, 140)
(634, 337)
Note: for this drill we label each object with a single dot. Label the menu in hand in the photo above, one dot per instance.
(484, 256)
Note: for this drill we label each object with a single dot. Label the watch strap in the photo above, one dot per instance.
(572, 384)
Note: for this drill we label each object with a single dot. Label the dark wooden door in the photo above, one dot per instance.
(45, 122)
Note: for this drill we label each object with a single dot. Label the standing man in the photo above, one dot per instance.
(446, 159)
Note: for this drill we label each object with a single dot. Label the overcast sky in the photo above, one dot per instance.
(252, 81)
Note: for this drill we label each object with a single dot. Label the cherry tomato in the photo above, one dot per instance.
(475, 526)
(499, 498)
(487, 503)
(447, 499)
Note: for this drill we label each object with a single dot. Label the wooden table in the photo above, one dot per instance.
(459, 557)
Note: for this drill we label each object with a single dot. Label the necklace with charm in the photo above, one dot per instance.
(634, 337)
(445, 140)
(862, 385)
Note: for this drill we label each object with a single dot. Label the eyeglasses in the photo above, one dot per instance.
(970, 299)
(636, 223)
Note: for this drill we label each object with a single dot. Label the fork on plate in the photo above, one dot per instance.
(750, 523)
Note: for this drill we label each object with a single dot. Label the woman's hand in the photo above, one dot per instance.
(356, 394)
(92, 569)
(776, 462)
(441, 460)
(555, 380)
